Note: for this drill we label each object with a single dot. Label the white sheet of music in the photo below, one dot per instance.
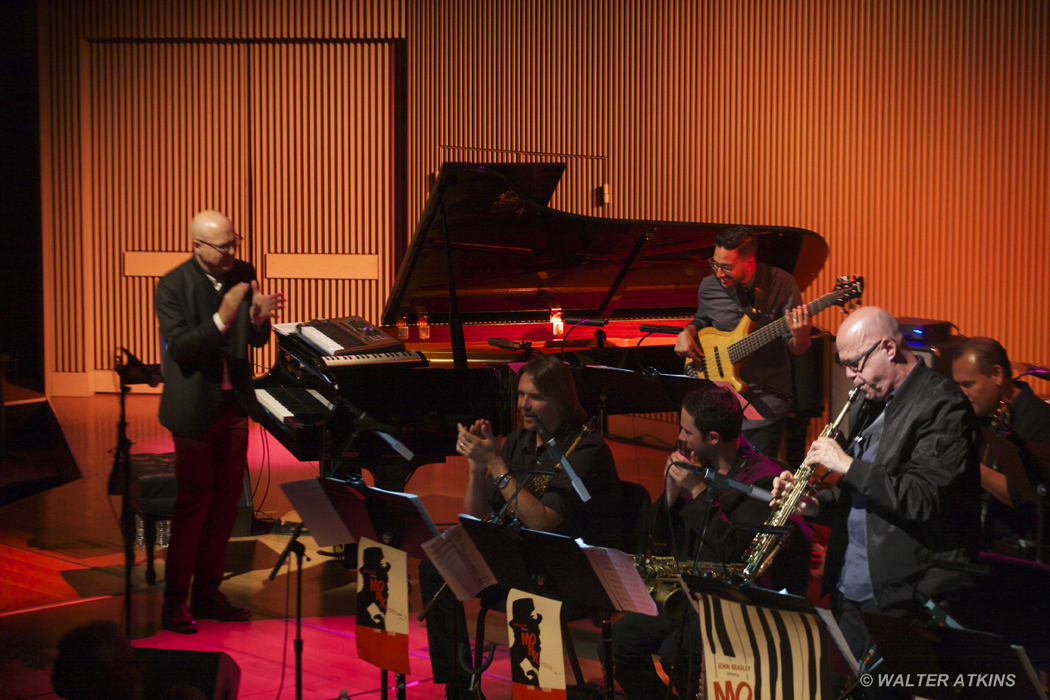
(620, 578)
(459, 561)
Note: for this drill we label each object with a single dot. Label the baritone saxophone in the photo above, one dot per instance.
(764, 547)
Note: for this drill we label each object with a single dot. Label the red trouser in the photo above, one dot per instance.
(210, 475)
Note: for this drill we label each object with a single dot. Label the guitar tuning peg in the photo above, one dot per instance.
(842, 279)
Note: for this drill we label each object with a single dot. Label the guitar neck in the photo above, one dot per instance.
(741, 349)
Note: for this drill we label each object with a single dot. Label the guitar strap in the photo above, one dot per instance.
(756, 296)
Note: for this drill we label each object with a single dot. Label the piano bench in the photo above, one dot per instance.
(153, 491)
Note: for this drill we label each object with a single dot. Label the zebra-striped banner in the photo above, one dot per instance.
(758, 651)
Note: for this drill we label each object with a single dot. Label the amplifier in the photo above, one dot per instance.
(923, 330)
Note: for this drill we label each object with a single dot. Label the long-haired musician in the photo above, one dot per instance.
(547, 397)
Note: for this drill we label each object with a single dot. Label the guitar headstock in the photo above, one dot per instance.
(850, 289)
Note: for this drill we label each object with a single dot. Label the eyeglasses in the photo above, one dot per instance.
(855, 365)
(723, 267)
(225, 248)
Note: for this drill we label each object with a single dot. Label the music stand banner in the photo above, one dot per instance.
(382, 606)
(753, 652)
(537, 665)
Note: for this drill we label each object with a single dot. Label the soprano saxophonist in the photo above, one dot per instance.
(546, 394)
(909, 498)
(689, 515)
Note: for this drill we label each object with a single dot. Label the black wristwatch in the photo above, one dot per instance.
(502, 481)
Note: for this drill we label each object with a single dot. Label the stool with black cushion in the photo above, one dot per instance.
(153, 491)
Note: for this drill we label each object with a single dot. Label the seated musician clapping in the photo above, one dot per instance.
(547, 398)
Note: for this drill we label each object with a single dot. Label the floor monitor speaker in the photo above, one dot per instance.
(214, 673)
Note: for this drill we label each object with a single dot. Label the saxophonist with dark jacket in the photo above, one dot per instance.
(905, 516)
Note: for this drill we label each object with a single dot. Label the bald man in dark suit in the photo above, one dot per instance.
(210, 312)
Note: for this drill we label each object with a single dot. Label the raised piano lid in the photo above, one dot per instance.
(514, 258)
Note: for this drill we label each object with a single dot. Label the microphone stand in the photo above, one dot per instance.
(296, 547)
(130, 370)
(122, 461)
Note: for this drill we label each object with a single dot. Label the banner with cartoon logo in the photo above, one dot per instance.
(382, 606)
(537, 662)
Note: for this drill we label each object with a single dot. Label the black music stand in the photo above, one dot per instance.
(621, 391)
(338, 512)
(911, 649)
(546, 564)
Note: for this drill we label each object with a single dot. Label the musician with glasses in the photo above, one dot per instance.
(742, 283)
(905, 515)
(983, 371)
(692, 518)
(210, 311)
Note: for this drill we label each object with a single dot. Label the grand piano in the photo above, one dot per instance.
(490, 258)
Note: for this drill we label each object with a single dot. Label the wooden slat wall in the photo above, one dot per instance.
(284, 120)
(912, 135)
(322, 144)
(168, 133)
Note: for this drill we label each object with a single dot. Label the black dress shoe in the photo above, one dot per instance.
(177, 618)
(217, 607)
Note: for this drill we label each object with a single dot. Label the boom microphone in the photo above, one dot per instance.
(585, 321)
(670, 330)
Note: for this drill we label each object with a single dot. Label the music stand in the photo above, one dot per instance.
(546, 564)
(340, 512)
(746, 594)
(931, 661)
(620, 391)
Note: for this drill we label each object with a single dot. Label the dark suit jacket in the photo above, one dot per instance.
(923, 492)
(186, 301)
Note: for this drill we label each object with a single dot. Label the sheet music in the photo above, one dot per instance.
(460, 563)
(840, 641)
(316, 510)
(321, 342)
(285, 328)
(621, 580)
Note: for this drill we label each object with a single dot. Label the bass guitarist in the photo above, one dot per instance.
(740, 284)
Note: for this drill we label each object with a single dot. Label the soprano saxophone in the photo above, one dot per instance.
(764, 547)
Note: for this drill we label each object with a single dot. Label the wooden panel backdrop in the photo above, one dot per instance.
(912, 135)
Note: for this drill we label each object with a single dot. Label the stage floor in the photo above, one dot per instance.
(61, 564)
